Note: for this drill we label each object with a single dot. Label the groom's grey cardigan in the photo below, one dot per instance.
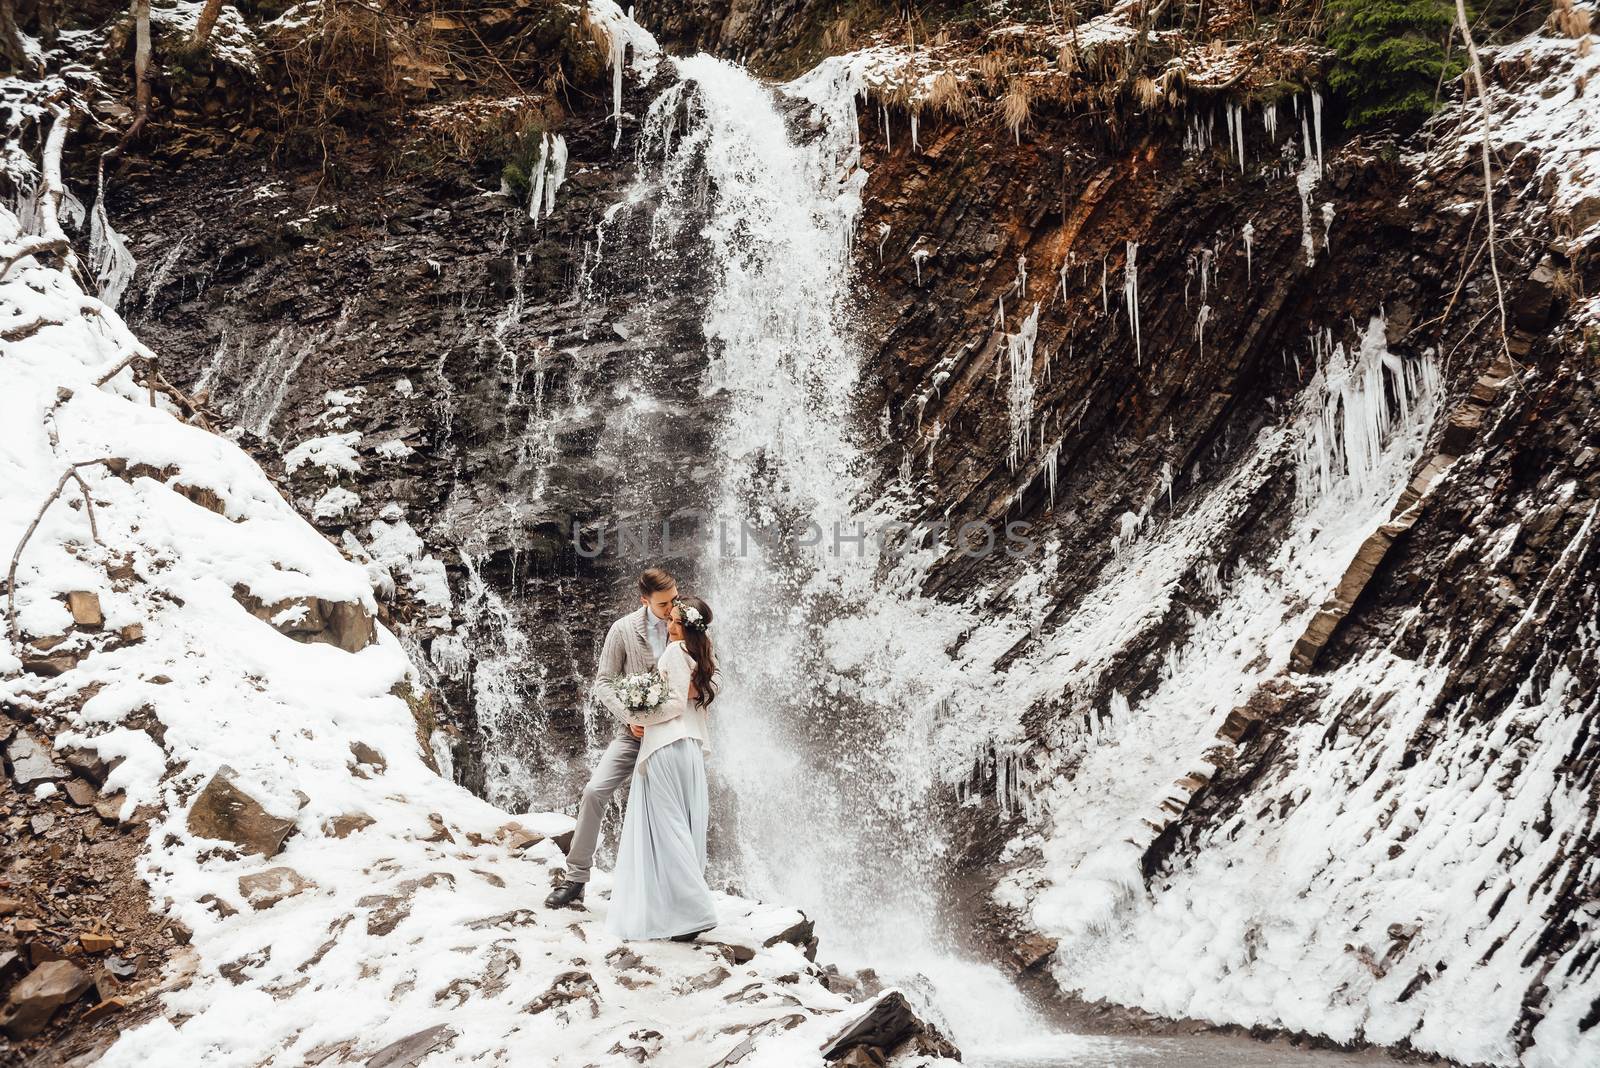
(627, 651)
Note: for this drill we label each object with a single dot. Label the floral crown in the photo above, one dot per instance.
(692, 619)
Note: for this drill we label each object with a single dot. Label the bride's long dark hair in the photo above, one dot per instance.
(697, 643)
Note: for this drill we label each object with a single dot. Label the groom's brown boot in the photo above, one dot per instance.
(568, 893)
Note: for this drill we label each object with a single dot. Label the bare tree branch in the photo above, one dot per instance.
(141, 80)
(71, 474)
(207, 19)
(1488, 173)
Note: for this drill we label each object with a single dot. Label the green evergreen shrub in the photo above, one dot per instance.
(1392, 55)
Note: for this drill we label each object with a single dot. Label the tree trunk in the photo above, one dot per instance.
(16, 53)
(208, 19)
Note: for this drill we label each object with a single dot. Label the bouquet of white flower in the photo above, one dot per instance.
(641, 692)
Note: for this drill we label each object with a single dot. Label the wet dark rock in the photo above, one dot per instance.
(884, 1025)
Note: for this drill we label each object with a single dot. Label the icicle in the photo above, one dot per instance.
(1061, 288)
(1207, 256)
(558, 172)
(1019, 353)
(883, 238)
(1105, 297)
(1249, 235)
(536, 179)
(1051, 464)
(916, 145)
(1130, 292)
(618, 57)
(1307, 181)
(1316, 113)
(109, 259)
(1269, 119)
(1022, 274)
(1327, 227)
(916, 258)
(1200, 327)
(1232, 142)
(888, 132)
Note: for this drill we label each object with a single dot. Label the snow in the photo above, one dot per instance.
(333, 453)
(1540, 109)
(426, 916)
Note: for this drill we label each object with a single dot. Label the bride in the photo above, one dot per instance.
(659, 887)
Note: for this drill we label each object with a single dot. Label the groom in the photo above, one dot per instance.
(632, 645)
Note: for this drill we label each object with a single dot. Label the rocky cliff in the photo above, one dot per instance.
(1286, 719)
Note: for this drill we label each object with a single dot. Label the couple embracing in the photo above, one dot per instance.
(658, 677)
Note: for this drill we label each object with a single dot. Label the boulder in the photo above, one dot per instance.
(886, 1022)
(224, 812)
(32, 762)
(85, 609)
(1033, 950)
(368, 757)
(346, 825)
(36, 999)
(346, 624)
(264, 889)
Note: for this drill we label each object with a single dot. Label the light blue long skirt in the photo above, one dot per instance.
(659, 886)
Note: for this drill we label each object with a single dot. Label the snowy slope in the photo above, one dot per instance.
(401, 909)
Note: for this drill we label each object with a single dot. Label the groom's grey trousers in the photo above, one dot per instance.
(614, 769)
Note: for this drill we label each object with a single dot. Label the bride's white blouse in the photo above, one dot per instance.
(674, 718)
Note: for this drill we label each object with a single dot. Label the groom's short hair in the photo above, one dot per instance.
(655, 580)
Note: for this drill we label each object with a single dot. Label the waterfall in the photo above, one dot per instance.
(777, 218)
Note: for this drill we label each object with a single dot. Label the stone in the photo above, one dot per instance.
(390, 910)
(706, 980)
(97, 942)
(346, 825)
(110, 808)
(863, 1057)
(368, 757)
(345, 624)
(50, 667)
(412, 1050)
(888, 1021)
(87, 762)
(515, 837)
(81, 793)
(105, 1008)
(32, 762)
(133, 632)
(565, 989)
(223, 811)
(264, 889)
(85, 609)
(1033, 950)
(37, 997)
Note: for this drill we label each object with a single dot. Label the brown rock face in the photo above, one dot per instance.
(223, 811)
(345, 624)
(36, 999)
